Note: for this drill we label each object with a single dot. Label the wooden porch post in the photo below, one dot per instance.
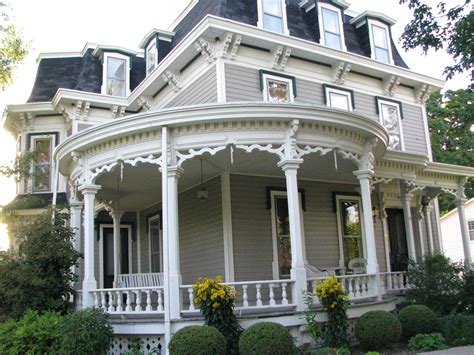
(76, 221)
(298, 271)
(117, 218)
(406, 199)
(427, 208)
(89, 283)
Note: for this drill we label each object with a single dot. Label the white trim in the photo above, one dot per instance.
(339, 198)
(139, 238)
(183, 14)
(161, 34)
(378, 15)
(103, 49)
(371, 23)
(33, 138)
(276, 77)
(321, 25)
(438, 225)
(429, 151)
(160, 241)
(152, 45)
(400, 127)
(260, 7)
(106, 56)
(220, 78)
(101, 249)
(345, 93)
(227, 227)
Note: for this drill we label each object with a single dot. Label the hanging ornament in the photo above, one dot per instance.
(202, 193)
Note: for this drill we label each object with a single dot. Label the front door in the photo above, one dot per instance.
(107, 235)
(398, 239)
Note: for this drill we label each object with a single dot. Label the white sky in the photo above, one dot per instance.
(61, 26)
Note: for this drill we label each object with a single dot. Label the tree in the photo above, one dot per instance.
(443, 27)
(37, 275)
(12, 47)
(450, 120)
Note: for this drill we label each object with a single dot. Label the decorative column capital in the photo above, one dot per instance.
(76, 204)
(116, 215)
(460, 202)
(364, 174)
(175, 171)
(407, 197)
(290, 164)
(89, 189)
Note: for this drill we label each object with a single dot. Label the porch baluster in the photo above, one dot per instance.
(259, 296)
(96, 299)
(111, 301)
(148, 300)
(129, 302)
(160, 300)
(284, 299)
(119, 301)
(245, 296)
(138, 307)
(351, 288)
(271, 295)
(191, 298)
(103, 300)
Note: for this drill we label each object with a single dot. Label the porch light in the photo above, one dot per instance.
(202, 193)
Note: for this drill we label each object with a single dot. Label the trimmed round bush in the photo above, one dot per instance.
(197, 340)
(266, 338)
(417, 319)
(376, 330)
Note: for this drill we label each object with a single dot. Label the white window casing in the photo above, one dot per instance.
(272, 16)
(115, 83)
(151, 56)
(391, 119)
(156, 244)
(470, 226)
(340, 99)
(331, 34)
(380, 44)
(42, 168)
(271, 83)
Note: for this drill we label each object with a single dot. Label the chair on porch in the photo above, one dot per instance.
(357, 266)
(140, 280)
(313, 272)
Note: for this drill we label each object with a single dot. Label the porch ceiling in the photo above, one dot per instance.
(141, 185)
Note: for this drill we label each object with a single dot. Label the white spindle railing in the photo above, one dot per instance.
(130, 300)
(251, 295)
(77, 300)
(359, 287)
(393, 282)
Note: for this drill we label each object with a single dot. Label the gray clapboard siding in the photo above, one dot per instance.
(365, 105)
(413, 129)
(242, 84)
(309, 92)
(379, 237)
(201, 91)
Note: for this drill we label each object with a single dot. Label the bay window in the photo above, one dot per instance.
(42, 145)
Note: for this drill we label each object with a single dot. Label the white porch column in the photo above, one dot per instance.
(420, 217)
(464, 231)
(174, 172)
(76, 222)
(298, 271)
(427, 208)
(117, 218)
(89, 283)
(365, 177)
(406, 199)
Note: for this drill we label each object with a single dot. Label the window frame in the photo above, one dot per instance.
(469, 230)
(337, 200)
(370, 23)
(153, 44)
(384, 101)
(290, 80)
(31, 146)
(260, 23)
(154, 218)
(328, 89)
(105, 68)
(322, 38)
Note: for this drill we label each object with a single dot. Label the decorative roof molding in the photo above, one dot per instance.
(162, 35)
(372, 14)
(422, 93)
(100, 49)
(280, 56)
(206, 49)
(341, 69)
(145, 103)
(308, 5)
(52, 55)
(390, 85)
(172, 79)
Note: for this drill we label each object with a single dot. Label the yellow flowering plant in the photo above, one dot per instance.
(216, 302)
(335, 301)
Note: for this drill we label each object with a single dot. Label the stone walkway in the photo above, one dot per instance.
(462, 350)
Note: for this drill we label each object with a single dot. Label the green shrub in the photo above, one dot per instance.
(266, 338)
(467, 293)
(333, 351)
(427, 342)
(417, 319)
(458, 329)
(86, 332)
(436, 283)
(197, 340)
(33, 334)
(376, 330)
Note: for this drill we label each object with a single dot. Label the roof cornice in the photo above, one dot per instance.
(461, 171)
(162, 34)
(373, 14)
(100, 49)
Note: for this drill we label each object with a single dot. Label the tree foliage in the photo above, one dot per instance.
(12, 47)
(442, 28)
(37, 275)
(450, 119)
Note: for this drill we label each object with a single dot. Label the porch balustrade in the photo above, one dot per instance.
(130, 300)
(393, 282)
(251, 295)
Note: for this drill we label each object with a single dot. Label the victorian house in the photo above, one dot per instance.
(273, 142)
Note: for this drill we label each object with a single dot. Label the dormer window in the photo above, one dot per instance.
(116, 75)
(272, 15)
(151, 57)
(330, 24)
(379, 42)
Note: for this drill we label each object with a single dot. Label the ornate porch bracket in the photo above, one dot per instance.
(381, 180)
(182, 157)
(340, 71)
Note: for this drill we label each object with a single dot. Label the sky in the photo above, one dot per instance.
(66, 26)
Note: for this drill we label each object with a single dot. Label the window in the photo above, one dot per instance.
(338, 98)
(156, 244)
(151, 56)
(116, 75)
(272, 15)
(43, 146)
(277, 88)
(470, 226)
(350, 228)
(390, 117)
(380, 44)
(330, 24)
